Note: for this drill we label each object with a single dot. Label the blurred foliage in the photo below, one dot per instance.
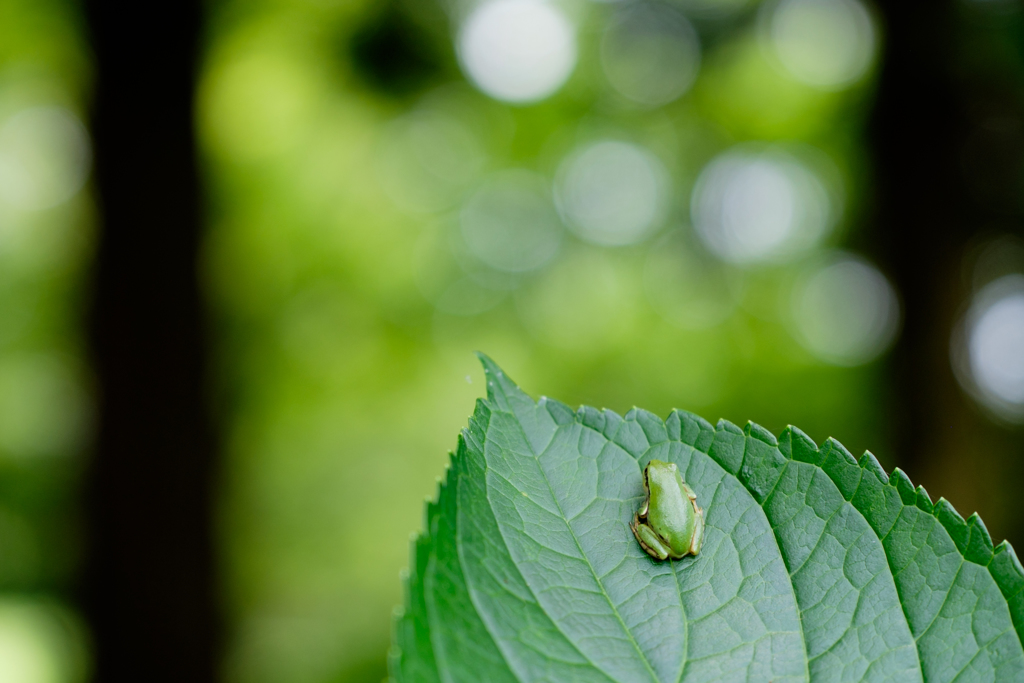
(45, 410)
(341, 145)
(368, 209)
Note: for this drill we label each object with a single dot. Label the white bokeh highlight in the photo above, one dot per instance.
(750, 206)
(612, 193)
(39, 643)
(517, 50)
(44, 158)
(828, 44)
(845, 312)
(988, 348)
(650, 54)
(510, 223)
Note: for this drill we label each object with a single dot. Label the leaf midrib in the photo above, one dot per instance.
(504, 542)
(572, 532)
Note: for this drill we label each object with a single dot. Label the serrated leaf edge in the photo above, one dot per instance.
(970, 536)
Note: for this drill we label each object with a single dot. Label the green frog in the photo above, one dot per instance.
(669, 524)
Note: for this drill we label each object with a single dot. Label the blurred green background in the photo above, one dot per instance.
(662, 204)
(46, 236)
(374, 224)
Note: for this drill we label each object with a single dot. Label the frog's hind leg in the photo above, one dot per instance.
(650, 542)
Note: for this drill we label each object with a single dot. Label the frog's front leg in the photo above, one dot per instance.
(649, 540)
(689, 492)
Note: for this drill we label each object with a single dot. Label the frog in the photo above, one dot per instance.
(669, 523)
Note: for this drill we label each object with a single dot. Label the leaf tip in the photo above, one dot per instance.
(727, 446)
(692, 430)
(841, 451)
(559, 412)
(924, 501)
(841, 467)
(726, 426)
(953, 522)
(869, 463)
(800, 447)
(591, 417)
(502, 391)
(1007, 568)
(491, 373)
(979, 544)
(758, 432)
(899, 479)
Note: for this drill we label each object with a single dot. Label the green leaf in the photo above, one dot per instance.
(815, 566)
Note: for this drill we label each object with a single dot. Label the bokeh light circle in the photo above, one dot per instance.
(517, 50)
(827, 44)
(39, 643)
(751, 206)
(44, 158)
(650, 54)
(510, 223)
(612, 193)
(988, 350)
(845, 311)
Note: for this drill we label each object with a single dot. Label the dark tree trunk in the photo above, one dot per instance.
(149, 578)
(936, 92)
(920, 230)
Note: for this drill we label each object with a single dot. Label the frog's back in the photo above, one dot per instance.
(671, 511)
